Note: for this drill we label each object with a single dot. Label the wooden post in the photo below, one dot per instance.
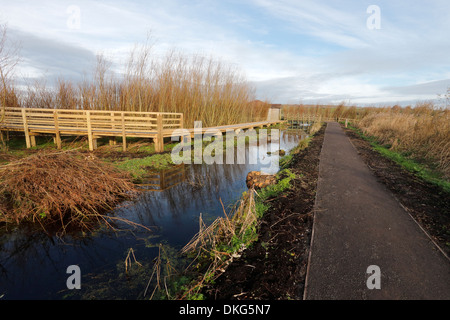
(162, 180)
(33, 140)
(57, 134)
(89, 128)
(159, 140)
(124, 137)
(94, 142)
(346, 122)
(25, 128)
(112, 140)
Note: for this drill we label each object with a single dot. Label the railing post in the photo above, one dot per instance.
(159, 140)
(57, 134)
(124, 137)
(89, 128)
(112, 140)
(25, 128)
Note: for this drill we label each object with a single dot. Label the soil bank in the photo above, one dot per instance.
(274, 267)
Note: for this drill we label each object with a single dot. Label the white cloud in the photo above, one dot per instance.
(290, 50)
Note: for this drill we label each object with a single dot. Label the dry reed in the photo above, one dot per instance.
(222, 240)
(321, 112)
(423, 132)
(66, 186)
(204, 89)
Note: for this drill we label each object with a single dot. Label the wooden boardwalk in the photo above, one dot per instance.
(96, 124)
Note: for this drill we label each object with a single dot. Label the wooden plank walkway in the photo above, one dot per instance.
(95, 124)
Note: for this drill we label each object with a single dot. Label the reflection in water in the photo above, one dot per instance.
(165, 179)
(33, 265)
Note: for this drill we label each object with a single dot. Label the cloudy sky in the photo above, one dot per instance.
(310, 51)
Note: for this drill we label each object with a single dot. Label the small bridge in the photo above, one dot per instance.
(96, 124)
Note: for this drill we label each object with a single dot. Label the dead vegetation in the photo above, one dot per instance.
(65, 187)
(215, 246)
(422, 131)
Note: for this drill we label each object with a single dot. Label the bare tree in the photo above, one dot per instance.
(9, 58)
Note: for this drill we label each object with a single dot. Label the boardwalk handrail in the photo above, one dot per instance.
(100, 123)
(312, 118)
(93, 123)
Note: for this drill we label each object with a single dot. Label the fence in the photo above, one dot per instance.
(94, 124)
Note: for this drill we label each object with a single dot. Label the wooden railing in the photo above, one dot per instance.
(309, 119)
(93, 123)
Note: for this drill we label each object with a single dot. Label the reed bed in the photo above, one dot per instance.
(422, 132)
(65, 187)
(222, 241)
(321, 111)
(203, 89)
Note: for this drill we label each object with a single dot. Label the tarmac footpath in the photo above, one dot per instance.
(365, 245)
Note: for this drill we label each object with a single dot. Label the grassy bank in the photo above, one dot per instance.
(420, 134)
(424, 170)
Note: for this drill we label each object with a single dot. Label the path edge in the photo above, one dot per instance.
(401, 205)
(315, 209)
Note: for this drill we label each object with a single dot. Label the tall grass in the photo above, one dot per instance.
(204, 89)
(321, 111)
(422, 132)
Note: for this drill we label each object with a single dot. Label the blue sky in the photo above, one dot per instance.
(290, 50)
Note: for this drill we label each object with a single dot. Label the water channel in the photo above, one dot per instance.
(34, 265)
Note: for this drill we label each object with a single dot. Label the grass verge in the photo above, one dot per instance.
(421, 170)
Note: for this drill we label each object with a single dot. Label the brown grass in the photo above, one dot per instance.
(203, 89)
(321, 112)
(65, 187)
(215, 242)
(422, 131)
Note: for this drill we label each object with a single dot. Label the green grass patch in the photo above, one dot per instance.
(286, 161)
(284, 178)
(139, 167)
(421, 170)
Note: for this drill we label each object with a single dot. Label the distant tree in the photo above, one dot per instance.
(9, 58)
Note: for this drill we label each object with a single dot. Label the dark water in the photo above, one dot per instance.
(33, 265)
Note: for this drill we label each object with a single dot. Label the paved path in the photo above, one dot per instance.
(359, 223)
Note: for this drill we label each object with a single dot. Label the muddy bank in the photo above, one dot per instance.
(428, 204)
(275, 266)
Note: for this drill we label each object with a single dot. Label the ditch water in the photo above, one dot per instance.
(34, 265)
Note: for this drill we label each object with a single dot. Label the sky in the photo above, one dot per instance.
(291, 51)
